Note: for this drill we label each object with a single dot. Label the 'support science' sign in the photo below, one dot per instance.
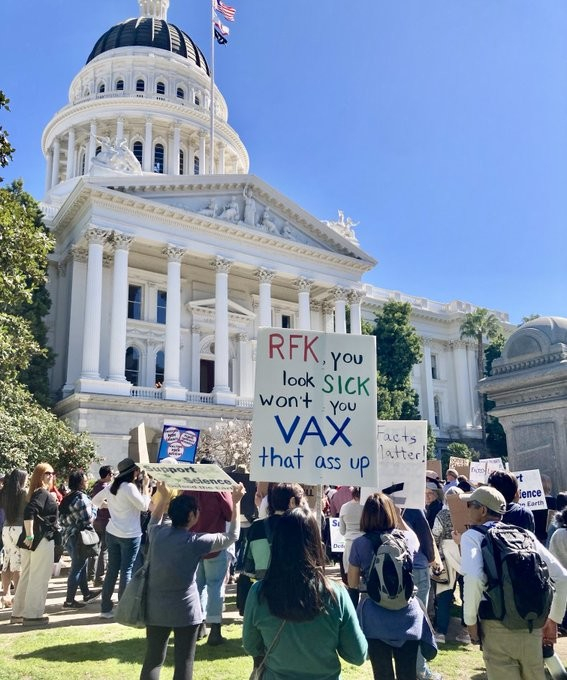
(314, 416)
(199, 477)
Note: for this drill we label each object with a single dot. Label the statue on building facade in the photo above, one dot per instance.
(249, 207)
(210, 210)
(343, 226)
(115, 158)
(231, 211)
(268, 224)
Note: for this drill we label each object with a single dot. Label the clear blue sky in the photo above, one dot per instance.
(441, 126)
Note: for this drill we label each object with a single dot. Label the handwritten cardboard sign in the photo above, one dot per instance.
(493, 464)
(477, 472)
(435, 466)
(532, 495)
(337, 539)
(402, 459)
(314, 418)
(460, 465)
(459, 512)
(199, 477)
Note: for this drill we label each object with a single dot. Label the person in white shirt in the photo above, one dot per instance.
(123, 531)
(508, 654)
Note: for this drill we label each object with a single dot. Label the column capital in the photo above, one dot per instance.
(243, 337)
(121, 241)
(195, 329)
(96, 235)
(315, 305)
(303, 284)
(339, 294)
(328, 307)
(221, 265)
(107, 260)
(355, 297)
(79, 254)
(174, 254)
(264, 275)
(202, 134)
(426, 341)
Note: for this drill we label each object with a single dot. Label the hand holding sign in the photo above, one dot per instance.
(238, 493)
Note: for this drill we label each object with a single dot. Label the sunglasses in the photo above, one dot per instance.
(473, 504)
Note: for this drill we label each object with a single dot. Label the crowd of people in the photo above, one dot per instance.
(401, 572)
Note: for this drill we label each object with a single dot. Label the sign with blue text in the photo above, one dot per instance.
(178, 443)
(531, 493)
(314, 417)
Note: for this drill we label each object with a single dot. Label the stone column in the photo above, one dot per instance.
(91, 152)
(70, 172)
(245, 373)
(304, 286)
(462, 380)
(328, 320)
(119, 130)
(426, 397)
(221, 160)
(48, 166)
(355, 298)
(90, 372)
(339, 296)
(119, 314)
(195, 358)
(174, 170)
(76, 318)
(55, 163)
(171, 384)
(202, 155)
(221, 389)
(265, 277)
(190, 169)
(147, 157)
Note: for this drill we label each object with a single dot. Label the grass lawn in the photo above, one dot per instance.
(105, 651)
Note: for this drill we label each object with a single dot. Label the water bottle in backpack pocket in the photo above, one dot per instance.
(389, 581)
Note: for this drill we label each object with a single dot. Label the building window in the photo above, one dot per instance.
(437, 411)
(197, 100)
(160, 368)
(120, 84)
(138, 150)
(180, 93)
(160, 88)
(140, 85)
(101, 88)
(82, 163)
(132, 365)
(434, 369)
(161, 306)
(286, 321)
(181, 161)
(134, 302)
(196, 165)
(207, 376)
(159, 154)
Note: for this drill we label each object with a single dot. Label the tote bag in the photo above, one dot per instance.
(131, 609)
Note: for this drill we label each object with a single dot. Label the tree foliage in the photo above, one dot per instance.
(6, 149)
(495, 435)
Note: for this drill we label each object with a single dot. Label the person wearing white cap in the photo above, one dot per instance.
(508, 654)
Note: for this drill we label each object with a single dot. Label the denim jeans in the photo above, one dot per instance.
(210, 582)
(443, 617)
(78, 572)
(422, 583)
(121, 555)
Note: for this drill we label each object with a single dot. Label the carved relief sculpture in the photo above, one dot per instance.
(268, 224)
(249, 207)
(231, 212)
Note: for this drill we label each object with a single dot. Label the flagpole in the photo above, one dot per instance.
(212, 97)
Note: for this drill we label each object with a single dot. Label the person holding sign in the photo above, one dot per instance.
(303, 620)
(174, 554)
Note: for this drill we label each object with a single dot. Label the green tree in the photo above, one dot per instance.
(6, 149)
(495, 435)
(478, 325)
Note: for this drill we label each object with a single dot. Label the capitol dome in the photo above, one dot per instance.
(149, 32)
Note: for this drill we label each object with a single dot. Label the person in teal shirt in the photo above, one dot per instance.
(300, 620)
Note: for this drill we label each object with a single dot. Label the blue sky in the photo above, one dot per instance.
(440, 126)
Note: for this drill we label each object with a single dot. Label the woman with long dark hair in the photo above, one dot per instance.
(394, 636)
(40, 525)
(13, 499)
(123, 531)
(297, 623)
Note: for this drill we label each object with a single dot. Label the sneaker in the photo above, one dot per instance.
(440, 638)
(73, 605)
(428, 674)
(91, 596)
(464, 638)
(107, 615)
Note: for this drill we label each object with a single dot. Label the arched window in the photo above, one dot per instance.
(98, 150)
(181, 161)
(180, 93)
(82, 163)
(140, 85)
(197, 100)
(133, 365)
(437, 411)
(120, 84)
(196, 165)
(160, 88)
(138, 151)
(159, 153)
(101, 88)
(160, 368)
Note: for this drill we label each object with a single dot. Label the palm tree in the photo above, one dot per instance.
(480, 324)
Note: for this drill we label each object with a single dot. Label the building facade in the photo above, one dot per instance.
(170, 255)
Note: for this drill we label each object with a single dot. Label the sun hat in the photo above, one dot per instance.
(126, 466)
(489, 497)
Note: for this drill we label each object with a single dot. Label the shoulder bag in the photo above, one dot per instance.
(258, 671)
(89, 542)
(131, 609)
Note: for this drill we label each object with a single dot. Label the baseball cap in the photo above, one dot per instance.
(489, 497)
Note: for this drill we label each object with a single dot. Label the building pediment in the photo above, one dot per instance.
(203, 314)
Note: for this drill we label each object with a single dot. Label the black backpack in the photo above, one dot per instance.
(519, 589)
(390, 582)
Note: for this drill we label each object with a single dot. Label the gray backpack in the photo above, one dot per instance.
(390, 582)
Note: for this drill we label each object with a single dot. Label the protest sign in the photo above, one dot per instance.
(493, 464)
(178, 443)
(477, 472)
(198, 477)
(435, 466)
(337, 539)
(460, 465)
(402, 458)
(459, 512)
(532, 495)
(314, 418)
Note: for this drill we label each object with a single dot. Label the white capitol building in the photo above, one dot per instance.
(163, 271)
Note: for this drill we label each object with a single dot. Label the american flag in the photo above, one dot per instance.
(227, 11)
